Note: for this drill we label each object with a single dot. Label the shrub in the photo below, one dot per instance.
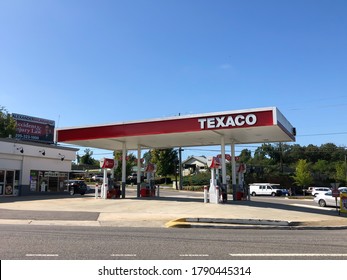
(199, 179)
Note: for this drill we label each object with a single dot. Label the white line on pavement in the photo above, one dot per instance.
(314, 207)
(123, 255)
(41, 255)
(194, 255)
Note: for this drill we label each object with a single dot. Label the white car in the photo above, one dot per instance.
(319, 190)
(327, 199)
(98, 178)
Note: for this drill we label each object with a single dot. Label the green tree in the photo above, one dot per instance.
(129, 164)
(166, 160)
(329, 151)
(87, 158)
(147, 156)
(340, 175)
(302, 177)
(245, 156)
(7, 124)
(321, 168)
(312, 153)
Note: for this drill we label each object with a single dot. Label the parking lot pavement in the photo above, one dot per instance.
(176, 209)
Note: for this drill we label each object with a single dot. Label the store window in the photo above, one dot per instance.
(9, 181)
(47, 181)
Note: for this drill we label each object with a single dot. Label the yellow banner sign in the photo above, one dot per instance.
(343, 202)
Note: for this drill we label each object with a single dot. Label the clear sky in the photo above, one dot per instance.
(83, 62)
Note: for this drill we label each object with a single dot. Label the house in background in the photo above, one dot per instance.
(194, 165)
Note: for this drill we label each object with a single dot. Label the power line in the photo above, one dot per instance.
(322, 134)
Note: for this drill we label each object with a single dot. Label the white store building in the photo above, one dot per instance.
(28, 168)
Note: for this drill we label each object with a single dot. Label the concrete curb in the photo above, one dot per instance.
(246, 224)
(50, 222)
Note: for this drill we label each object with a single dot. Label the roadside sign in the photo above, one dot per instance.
(335, 192)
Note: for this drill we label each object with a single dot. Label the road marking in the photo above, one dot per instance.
(194, 255)
(314, 207)
(42, 255)
(288, 255)
(123, 255)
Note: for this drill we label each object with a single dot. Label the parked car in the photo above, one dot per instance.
(76, 187)
(98, 178)
(267, 189)
(319, 190)
(326, 199)
(309, 190)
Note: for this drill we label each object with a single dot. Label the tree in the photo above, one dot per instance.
(296, 153)
(166, 160)
(245, 156)
(87, 158)
(147, 156)
(329, 151)
(312, 153)
(7, 124)
(129, 164)
(302, 177)
(321, 168)
(340, 172)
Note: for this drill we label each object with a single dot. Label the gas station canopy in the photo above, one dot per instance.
(259, 125)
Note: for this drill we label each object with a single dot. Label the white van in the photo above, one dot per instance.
(267, 189)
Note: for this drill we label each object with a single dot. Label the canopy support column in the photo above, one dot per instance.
(224, 171)
(138, 170)
(233, 169)
(124, 169)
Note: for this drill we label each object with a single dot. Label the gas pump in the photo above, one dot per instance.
(149, 189)
(104, 164)
(242, 192)
(214, 164)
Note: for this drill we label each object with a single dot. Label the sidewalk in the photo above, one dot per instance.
(170, 211)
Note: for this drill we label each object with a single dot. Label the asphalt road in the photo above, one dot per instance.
(28, 242)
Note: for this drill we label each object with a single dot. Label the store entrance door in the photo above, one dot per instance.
(7, 182)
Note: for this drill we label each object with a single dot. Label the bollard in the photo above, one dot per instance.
(205, 194)
(96, 191)
(217, 195)
(105, 191)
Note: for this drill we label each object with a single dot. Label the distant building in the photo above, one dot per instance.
(194, 165)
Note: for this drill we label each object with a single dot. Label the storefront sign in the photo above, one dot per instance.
(54, 174)
(227, 121)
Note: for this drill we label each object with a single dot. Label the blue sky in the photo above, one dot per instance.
(95, 62)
